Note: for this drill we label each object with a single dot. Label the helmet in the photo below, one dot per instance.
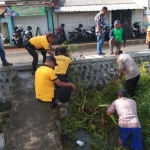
(29, 28)
(49, 34)
(80, 25)
(15, 28)
(62, 25)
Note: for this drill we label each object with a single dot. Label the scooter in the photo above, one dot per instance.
(77, 35)
(90, 33)
(60, 34)
(135, 29)
(27, 34)
(17, 36)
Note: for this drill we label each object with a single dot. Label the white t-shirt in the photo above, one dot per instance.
(131, 69)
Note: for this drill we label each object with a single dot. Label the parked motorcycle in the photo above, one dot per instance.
(27, 34)
(135, 29)
(17, 36)
(90, 34)
(60, 34)
(78, 34)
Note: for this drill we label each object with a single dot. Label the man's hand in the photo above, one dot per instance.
(146, 41)
(73, 86)
(100, 34)
(50, 52)
(118, 80)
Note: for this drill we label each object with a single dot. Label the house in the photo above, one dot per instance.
(73, 12)
(37, 14)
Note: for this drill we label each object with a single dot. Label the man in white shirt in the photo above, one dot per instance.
(127, 65)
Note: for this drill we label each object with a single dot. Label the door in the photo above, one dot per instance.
(34, 22)
(125, 17)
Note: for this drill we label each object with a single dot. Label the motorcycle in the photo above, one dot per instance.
(17, 36)
(78, 34)
(27, 34)
(60, 34)
(90, 33)
(135, 29)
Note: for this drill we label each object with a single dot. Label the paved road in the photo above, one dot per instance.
(16, 55)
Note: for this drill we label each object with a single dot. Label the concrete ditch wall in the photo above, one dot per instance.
(90, 71)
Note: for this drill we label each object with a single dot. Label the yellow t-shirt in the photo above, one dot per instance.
(148, 33)
(44, 85)
(40, 42)
(63, 63)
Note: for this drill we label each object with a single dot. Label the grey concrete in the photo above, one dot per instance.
(32, 126)
(21, 56)
(2, 142)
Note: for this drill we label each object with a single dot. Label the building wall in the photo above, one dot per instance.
(71, 20)
(137, 15)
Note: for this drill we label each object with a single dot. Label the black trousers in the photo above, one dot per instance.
(149, 45)
(130, 85)
(32, 51)
(63, 94)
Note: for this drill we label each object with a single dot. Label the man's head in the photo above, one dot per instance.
(117, 24)
(104, 10)
(50, 37)
(51, 62)
(122, 93)
(118, 52)
(63, 51)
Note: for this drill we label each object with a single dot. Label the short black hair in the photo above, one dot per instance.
(104, 8)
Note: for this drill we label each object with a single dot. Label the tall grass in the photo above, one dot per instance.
(88, 111)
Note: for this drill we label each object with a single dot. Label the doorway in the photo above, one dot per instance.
(125, 17)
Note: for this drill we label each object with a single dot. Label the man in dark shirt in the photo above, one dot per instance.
(100, 29)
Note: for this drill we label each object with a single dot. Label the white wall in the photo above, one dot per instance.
(137, 15)
(143, 3)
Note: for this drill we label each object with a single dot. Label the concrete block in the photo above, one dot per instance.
(2, 142)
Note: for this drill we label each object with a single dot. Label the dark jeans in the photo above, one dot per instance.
(148, 44)
(62, 78)
(63, 94)
(2, 52)
(131, 84)
(32, 51)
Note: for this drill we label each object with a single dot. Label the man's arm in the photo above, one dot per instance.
(97, 20)
(64, 84)
(121, 74)
(111, 35)
(50, 51)
(110, 109)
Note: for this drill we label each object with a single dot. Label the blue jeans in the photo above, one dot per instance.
(2, 52)
(100, 42)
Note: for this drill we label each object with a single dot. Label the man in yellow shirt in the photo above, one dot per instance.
(44, 84)
(40, 43)
(63, 61)
(148, 37)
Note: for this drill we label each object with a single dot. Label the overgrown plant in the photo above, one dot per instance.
(88, 111)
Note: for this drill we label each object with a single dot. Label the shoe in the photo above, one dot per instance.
(112, 53)
(64, 105)
(102, 53)
(7, 64)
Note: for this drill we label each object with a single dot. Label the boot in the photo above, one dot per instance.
(7, 64)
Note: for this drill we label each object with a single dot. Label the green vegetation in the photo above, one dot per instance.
(88, 111)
